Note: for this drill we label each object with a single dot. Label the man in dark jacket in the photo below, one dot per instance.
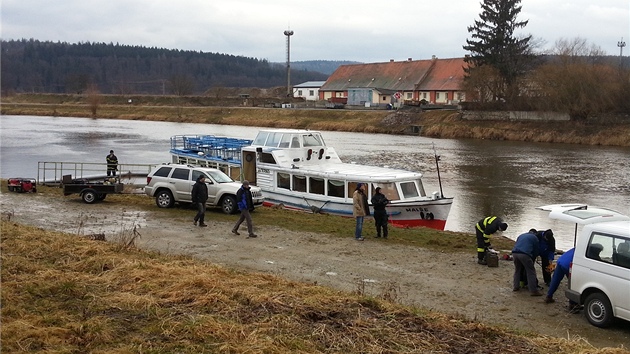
(484, 228)
(245, 205)
(199, 196)
(525, 251)
(379, 201)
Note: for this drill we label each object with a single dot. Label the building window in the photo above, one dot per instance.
(408, 95)
(437, 95)
(424, 95)
(299, 92)
(311, 93)
(460, 96)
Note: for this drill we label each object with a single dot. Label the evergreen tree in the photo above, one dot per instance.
(493, 43)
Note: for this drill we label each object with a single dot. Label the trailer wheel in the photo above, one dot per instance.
(89, 196)
(164, 199)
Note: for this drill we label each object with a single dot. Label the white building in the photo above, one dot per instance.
(308, 90)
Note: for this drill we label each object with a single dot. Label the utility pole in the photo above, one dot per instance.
(289, 33)
(621, 44)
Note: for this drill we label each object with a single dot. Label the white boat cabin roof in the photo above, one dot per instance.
(291, 149)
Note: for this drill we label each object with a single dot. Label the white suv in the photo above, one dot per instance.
(600, 272)
(170, 183)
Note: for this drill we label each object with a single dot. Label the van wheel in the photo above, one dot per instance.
(228, 204)
(164, 199)
(598, 310)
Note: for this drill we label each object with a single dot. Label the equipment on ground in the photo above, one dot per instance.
(22, 185)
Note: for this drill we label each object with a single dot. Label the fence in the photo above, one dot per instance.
(51, 172)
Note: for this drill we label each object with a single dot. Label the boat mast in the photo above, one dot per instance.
(437, 165)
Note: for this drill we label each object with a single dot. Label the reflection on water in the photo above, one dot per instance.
(508, 179)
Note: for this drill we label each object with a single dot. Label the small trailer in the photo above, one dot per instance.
(91, 191)
(22, 185)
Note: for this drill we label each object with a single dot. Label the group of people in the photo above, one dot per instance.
(527, 248)
(361, 209)
(199, 196)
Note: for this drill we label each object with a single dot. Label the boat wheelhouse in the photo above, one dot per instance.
(297, 170)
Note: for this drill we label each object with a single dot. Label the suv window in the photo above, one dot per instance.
(181, 173)
(162, 172)
(196, 174)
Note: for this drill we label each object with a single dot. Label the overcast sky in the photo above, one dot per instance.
(357, 30)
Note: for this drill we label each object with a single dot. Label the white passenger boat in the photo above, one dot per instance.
(295, 169)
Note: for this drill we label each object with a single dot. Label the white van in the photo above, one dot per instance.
(600, 272)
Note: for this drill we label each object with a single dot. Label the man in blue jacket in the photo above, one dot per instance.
(245, 205)
(525, 251)
(562, 269)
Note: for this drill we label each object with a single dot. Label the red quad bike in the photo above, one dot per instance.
(22, 185)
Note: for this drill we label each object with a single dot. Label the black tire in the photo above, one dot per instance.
(89, 196)
(164, 199)
(228, 204)
(102, 196)
(598, 310)
(11, 189)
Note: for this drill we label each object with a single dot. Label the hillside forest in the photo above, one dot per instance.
(58, 67)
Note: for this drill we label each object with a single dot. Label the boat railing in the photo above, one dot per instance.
(52, 172)
(209, 146)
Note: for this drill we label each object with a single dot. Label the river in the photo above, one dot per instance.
(503, 178)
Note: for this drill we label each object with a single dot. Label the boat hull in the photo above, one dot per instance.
(427, 213)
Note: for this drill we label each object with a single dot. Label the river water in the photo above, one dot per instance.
(503, 178)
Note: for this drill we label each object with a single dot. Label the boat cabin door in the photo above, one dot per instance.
(248, 163)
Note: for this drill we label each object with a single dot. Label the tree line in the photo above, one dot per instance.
(60, 67)
(505, 70)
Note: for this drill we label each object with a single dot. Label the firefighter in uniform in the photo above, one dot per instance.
(112, 163)
(484, 228)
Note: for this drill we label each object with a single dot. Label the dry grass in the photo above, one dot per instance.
(63, 293)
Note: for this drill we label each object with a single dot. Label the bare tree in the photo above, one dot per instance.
(93, 98)
(576, 80)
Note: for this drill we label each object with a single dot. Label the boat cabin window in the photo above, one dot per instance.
(312, 140)
(261, 138)
(284, 180)
(299, 183)
(273, 139)
(409, 189)
(352, 186)
(316, 185)
(266, 158)
(295, 142)
(336, 188)
(388, 189)
(285, 141)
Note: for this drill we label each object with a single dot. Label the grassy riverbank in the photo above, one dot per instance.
(64, 293)
(436, 124)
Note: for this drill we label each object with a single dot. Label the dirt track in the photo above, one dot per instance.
(449, 283)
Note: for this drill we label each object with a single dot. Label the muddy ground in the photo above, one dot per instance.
(448, 283)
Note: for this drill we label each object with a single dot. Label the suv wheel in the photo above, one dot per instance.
(598, 310)
(164, 199)
(228, 204)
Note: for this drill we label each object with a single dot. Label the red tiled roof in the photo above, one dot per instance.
(425, 75)
(446, 75)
